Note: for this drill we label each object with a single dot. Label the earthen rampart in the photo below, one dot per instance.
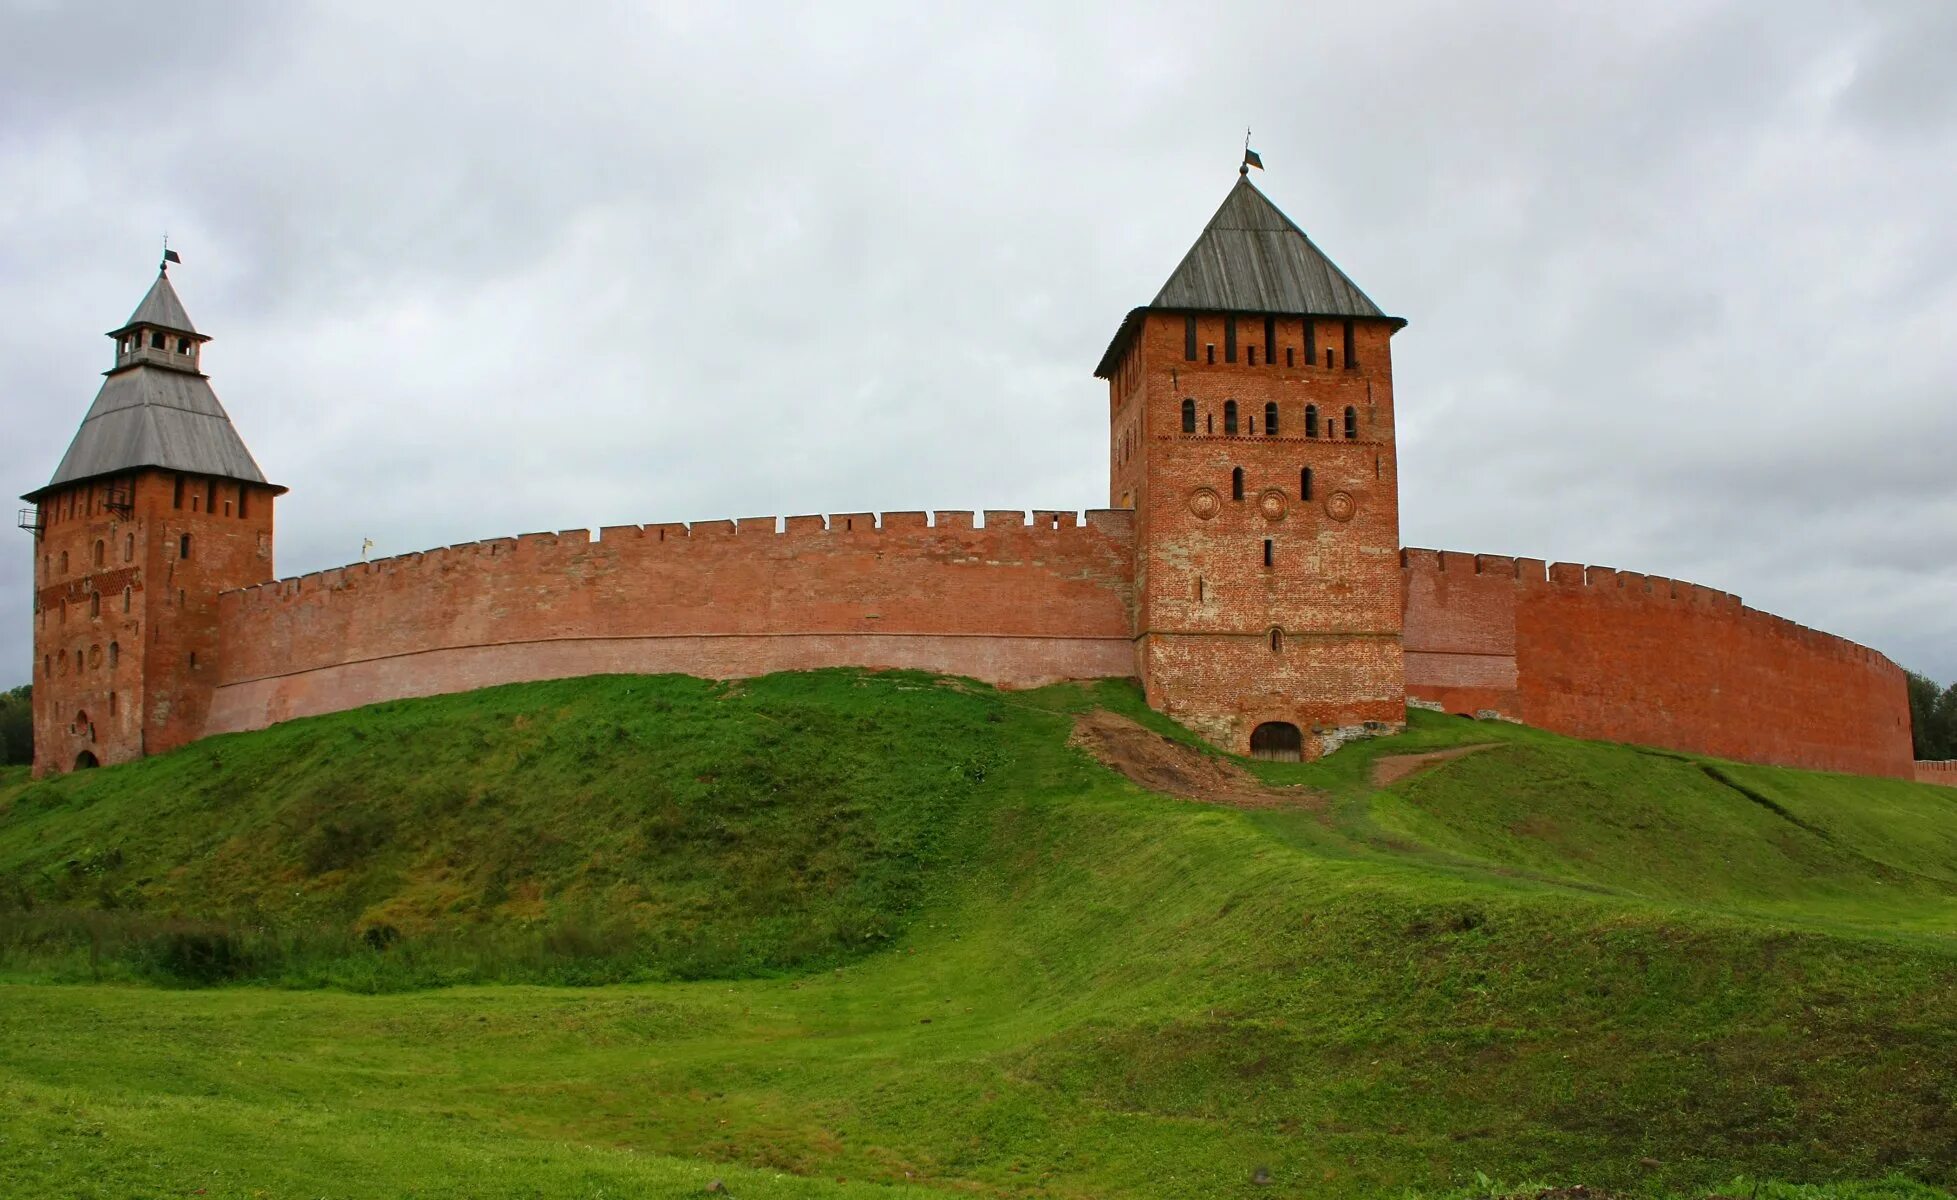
(1620, 656)
(1011, 601)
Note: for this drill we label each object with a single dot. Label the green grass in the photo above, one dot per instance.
(894, 932)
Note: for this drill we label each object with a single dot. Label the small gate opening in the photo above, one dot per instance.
(86, 761)
(1277, 741)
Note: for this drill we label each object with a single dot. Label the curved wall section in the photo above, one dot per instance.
(1012, 603)
(1635, 658)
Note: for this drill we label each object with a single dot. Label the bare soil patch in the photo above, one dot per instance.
(1395, 767)
(1165, 765)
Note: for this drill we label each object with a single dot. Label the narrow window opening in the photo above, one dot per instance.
(193, 660)
(210, 495)
(1351, 422)
(1229, 339)
(1290, 356)
(1209, 350)
(1351, 353)
(183, 546)
(1277, 640)
(1311, 420)
(64, 562)
(1189, 416)
(1189, 338)
(1269, 552)
(128, 594)
(1250, 355)
(95, 604)
(1328, 358)
(101, 552)
(1311, 342)
(1376, 467)
(1229, 417)
(1199, 589)
(128, 547)
(1270, 339)
(227, 508)
(1237, 484)
(244, 502)
(1270, 419)
(112, 704)
(1304, 483)
(1209, 422)
(115, 654)
(176, 496)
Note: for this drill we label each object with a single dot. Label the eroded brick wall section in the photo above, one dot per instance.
(1940, 771)
(1624, 657)
(1011, 602)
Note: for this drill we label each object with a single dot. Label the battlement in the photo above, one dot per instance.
(1942, 772)
(1534, 574)
(1038, 527)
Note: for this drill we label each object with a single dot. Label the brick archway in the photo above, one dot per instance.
(1277, 741)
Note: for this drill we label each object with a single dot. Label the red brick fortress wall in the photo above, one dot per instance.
(1940, 771)
(1009, 602)
(1624, 657)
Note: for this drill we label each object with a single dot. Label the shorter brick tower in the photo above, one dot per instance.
(155, 509)
(1251, 422)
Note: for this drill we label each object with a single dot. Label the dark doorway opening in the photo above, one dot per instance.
(1277, 741)
(86, 761)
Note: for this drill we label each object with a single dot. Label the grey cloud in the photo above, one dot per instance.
(1678, 276)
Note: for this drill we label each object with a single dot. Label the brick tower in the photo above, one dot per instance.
(1251, 410)
(155, 509)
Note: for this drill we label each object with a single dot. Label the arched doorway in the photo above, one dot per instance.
(1277, 741)
(86, 761)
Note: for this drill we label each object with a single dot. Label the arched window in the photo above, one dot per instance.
(1270, 419)
(115, 654)
(101, 552)
(1189, 416)
(95, 604)
(1237, 484)
(128, 547)
(1277, 640)
(1351, 422)
(127, 591)
(183, 546)
(64, 562)
(1229, 417)
(1304, 483)
(1311, 420)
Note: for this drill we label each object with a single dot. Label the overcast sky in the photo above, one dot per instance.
(1681, 278)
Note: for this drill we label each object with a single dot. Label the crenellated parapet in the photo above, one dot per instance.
(1013, 599)
(1623, 656)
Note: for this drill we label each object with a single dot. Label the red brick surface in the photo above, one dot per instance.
(1942, 772)
(121, 683)
(1633, 658)
(1207, 603)
(1012, 603)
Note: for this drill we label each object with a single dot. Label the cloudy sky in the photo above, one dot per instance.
(1682, 278)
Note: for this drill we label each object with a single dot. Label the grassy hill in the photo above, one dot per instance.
(898, 933)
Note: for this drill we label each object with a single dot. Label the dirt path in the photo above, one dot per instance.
(1395, 767)
(1161, 764)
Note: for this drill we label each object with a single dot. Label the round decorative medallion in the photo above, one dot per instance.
(1271, 504)
(1339, 506)
(1205, 503)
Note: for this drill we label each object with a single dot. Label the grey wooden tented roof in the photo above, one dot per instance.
(160, 307)
(155, 415)
(1251, 258)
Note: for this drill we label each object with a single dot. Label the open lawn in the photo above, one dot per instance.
(860, 934)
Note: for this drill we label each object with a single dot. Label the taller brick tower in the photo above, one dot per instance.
(1251, 407)
(155, 509)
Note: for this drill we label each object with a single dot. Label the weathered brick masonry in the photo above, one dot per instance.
(1248, 572)
(1624, 657)
(1942, 771)
(1010, 602)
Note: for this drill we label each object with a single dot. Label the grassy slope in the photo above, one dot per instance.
(1549, 960)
